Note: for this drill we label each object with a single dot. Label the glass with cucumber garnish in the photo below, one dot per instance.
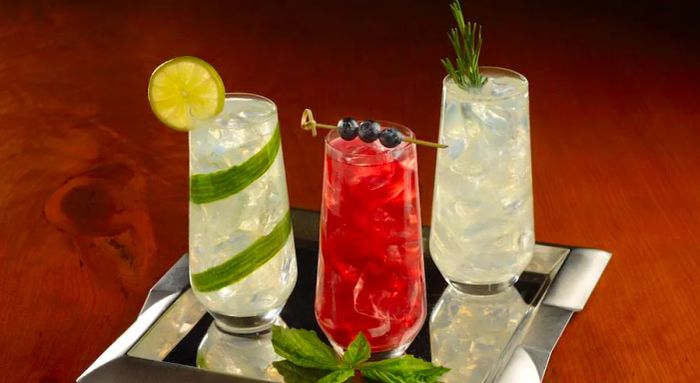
(241, 248)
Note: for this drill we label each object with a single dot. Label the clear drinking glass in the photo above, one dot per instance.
(242, 259)
(482, 230)
(370, 268)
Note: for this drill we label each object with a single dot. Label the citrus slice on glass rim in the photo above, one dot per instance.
(184, 88)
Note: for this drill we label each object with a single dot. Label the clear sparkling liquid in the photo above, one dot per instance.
(482, 224)
(223, 228)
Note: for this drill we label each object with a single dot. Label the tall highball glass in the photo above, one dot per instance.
(482, 230)
(370, 267)
(242, 259)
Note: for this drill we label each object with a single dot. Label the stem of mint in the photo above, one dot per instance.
(466, 41)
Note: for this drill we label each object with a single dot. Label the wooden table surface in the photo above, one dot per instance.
(93, 190)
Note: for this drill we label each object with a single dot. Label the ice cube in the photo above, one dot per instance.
(501, 87)
(382, 216)
(455, 148)
(383, 293)
(478, 159)
(454, 129)
(498, 121)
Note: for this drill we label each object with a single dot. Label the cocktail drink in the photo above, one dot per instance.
(370, 271)
(482, 231)
(242, 258)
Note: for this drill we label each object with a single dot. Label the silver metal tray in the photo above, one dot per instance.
(504, 338)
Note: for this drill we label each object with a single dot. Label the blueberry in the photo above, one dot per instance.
(390, 137)
(369, 130)
(347, 128)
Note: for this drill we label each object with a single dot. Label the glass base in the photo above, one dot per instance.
(483, 289)
(379, 355)
(246, 325)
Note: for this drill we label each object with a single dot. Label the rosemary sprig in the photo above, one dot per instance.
(466, 40)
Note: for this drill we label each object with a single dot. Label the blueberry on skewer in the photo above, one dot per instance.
(348, 128)
(390, 138)
(369, 131)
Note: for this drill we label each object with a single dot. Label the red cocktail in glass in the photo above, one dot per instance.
(370, 269)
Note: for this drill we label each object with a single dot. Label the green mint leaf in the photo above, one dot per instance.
(358, 351)
(407, 369)
(338, 376)
(384, 377)
(426, 376)
(304, 348)
(404, 363)
(295, 374)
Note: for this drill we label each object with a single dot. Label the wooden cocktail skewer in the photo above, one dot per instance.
(308, 123)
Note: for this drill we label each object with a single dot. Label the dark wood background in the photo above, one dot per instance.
(93, 190)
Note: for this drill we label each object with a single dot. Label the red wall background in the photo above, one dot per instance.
(93, 190)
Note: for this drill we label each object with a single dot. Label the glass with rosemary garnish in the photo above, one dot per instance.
(482, 231)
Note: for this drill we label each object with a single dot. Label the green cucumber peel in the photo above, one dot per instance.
(210, 187)
(247, 261)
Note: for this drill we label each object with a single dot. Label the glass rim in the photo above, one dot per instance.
(493, 69)
(205, 123)
(389, 152)
(229, 95)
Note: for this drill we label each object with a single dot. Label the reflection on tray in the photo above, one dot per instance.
(249, 356)
(473, 335)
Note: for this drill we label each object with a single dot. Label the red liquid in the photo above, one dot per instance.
(371, 261)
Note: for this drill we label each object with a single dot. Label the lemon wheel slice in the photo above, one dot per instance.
(183, 88)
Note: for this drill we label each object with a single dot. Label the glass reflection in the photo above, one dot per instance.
(472, 334)
(249, 356)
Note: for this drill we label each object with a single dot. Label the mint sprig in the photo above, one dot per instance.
(304, 348)
(309, 360)
(466, 41)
